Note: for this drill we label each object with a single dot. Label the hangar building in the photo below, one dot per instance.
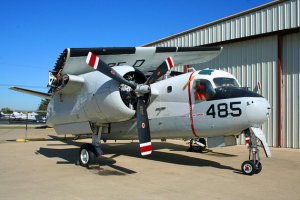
(259, 45)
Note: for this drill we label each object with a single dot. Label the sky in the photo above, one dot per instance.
(33, 33)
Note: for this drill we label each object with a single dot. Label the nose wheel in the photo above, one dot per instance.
(253, 165)
(250, 167)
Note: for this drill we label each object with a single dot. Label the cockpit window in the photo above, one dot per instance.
(203, 90)
(225, 82)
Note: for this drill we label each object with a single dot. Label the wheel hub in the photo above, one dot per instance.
(84, 156)
(247, 168)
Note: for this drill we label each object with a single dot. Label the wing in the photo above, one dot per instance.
(72, 60)
(32, 92)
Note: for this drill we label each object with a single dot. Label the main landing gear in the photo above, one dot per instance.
(197, 145)
(89, 153)
(253, 165)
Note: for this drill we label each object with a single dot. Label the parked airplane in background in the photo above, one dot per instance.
(104, 92)
(20, 116)
(30, 116)
(5, 116)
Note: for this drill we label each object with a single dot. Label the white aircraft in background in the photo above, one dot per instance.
(5, 116)
(104, 92)
(30, 116)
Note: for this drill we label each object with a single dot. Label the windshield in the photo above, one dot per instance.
(225, 82)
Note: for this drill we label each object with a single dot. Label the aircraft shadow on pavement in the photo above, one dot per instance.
(70, 155)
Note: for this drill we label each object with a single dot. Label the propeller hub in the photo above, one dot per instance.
(142, 89)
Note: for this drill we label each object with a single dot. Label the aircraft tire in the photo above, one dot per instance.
(196, 148)
(87, 155)
(248, 167)
(258, 167)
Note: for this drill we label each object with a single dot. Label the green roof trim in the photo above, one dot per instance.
(206, 71)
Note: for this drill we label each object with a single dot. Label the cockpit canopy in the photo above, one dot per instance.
(225, 82)
(211, 84)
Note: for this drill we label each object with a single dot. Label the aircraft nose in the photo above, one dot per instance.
(258, 111)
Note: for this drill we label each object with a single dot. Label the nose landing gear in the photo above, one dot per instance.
(253, 165)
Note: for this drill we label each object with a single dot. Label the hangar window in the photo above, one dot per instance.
(225, 82)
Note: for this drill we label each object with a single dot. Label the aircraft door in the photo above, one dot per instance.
(202, 91)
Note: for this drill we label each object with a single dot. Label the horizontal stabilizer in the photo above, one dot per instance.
(32, 92)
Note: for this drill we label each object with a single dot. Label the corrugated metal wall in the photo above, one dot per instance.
(281, 16)
(291, 91)
(252, 61)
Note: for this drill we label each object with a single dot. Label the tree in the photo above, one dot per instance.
(43, 106)
(6, 110)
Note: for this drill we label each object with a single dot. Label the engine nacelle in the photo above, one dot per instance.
(99, 99)
(109, 100)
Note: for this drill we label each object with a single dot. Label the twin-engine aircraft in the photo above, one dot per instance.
(111, 94)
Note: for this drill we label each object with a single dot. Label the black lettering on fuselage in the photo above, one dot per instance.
(222, 110)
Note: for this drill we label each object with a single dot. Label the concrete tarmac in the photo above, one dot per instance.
(46, 169)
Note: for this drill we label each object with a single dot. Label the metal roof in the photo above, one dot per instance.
(264, 19)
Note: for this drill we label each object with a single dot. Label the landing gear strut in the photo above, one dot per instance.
(88, 153)
(253, 165)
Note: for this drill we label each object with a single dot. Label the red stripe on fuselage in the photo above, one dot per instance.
(191, 108)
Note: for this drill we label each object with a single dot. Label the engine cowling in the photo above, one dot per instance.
(111, 101)
(99, 99)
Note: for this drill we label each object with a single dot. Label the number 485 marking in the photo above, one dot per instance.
(222, 110)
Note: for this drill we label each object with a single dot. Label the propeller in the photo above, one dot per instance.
(140, 90)
(95, 62)
(161, 70)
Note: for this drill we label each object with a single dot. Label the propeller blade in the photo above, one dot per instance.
(143, 128)
(167, 65)
(96, 63)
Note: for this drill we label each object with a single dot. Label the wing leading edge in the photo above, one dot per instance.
(72, 60)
